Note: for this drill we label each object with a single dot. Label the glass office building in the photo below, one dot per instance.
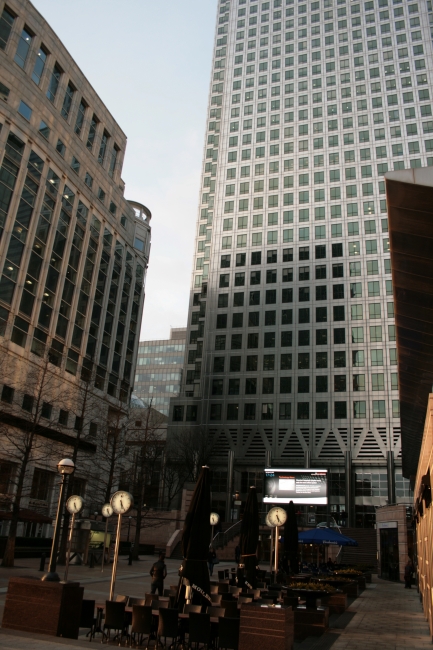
(291, 354)
(159, 370)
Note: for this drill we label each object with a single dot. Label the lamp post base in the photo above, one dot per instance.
(52, 576)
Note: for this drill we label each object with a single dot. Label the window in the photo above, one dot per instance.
(7, 394)
(67, 101)
(23, 46)
(38, 68)
(379, 409)
(25, 111)
(6, 22)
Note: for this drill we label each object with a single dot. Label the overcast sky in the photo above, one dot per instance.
(150, 61)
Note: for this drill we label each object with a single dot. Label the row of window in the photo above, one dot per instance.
(321, 358)
(265, 411)
(29, 405)
(26, 111)
(270, 385)
(315, 6)
(376, 335)
(42, 58)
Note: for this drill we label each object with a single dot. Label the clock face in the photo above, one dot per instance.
(214, 518)
(276, 517)
(106, 510)
(121, 502)
(74, 504)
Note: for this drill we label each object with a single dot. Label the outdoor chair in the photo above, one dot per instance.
(114, 620)
(234, 590)
(266, 601)
(199, 630)
(255, 593)
(228, 637)
(261, 585)
(221, 574)
(168, 626)
(88, 618)
(162, 604)
(215, 611)
(195, 609)
(245, 599)
(136, 601)
(230, 608)
(121, 599)
(223, 588)
(142, 622)
(216, 598)
(213, 589)
(149, 598)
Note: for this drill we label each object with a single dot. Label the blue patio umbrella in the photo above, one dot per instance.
(325, 536)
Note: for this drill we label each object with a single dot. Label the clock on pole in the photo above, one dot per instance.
(121, 502)
(74, 506)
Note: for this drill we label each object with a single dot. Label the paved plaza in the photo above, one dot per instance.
(384, 617)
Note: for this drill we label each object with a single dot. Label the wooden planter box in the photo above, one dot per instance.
(266, 628)
(311, 622)
(337, 603)
(43, 607)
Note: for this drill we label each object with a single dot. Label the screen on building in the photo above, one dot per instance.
(309, 486)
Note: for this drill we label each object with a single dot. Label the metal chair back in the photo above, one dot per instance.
(199, 628)
(228, 633)
(168, 625)
(195, 609)
(136, 601)
(121, 599)
(215, 611)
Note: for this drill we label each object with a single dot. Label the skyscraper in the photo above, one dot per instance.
(74, 254)
(291, 353)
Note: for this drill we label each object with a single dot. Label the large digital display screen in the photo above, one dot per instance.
(302, 486)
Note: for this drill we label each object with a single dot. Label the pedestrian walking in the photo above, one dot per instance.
(158, 574)
(408, 571)
(211, 559)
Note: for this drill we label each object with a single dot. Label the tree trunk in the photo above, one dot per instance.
(9, 554)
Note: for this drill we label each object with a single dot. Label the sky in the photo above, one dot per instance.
(150, 62)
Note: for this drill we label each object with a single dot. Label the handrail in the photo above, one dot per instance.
(222, 539)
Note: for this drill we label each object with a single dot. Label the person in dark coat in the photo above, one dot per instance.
(158, 573)
(408, 571)
(211, 559)
(237, 554)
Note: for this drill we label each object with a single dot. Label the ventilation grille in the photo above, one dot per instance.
(256, 448)
(331, 447)
(293, 447)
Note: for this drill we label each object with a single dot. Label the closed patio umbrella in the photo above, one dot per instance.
(195, 540)
(291, 538)
(249, 538)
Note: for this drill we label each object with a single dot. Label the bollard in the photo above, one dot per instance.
(92, 561)
(130, 558)
(42, 563)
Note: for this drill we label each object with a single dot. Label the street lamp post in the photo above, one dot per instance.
(65, 468)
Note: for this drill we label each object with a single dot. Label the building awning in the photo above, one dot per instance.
(27, 515)
(409, 195)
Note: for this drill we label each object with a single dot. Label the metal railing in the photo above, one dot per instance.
(222, 539)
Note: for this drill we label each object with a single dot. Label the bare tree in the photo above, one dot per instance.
(145, 436)
(187, 451)
(28, 435)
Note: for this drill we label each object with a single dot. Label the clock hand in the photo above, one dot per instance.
(121, 504)
(75, 505)
(278, 519)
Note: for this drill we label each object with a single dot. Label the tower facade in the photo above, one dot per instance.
(291, 354)
(74, 254)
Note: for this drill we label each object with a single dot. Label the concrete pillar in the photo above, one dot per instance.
(268, 461)
(230, 465)
(307, 459)
(390, 468)
(349, 488)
